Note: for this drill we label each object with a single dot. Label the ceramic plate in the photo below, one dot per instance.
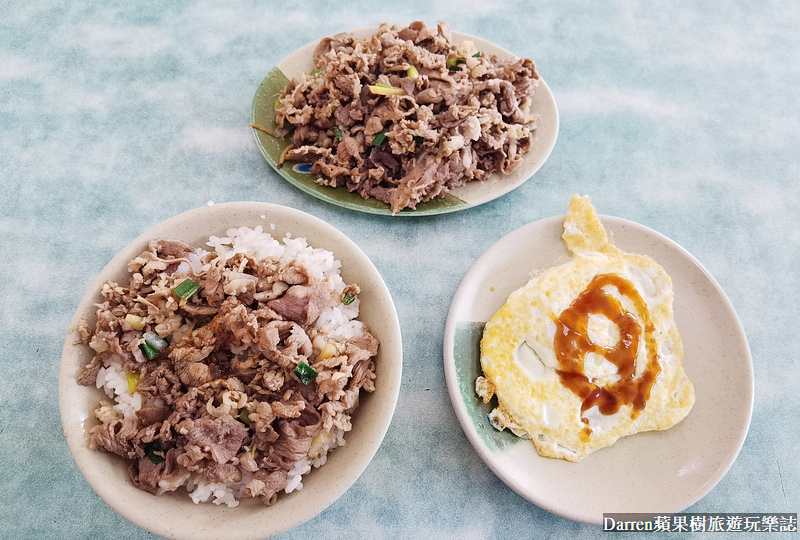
(174, 515)
(652, 472)
(472, 194)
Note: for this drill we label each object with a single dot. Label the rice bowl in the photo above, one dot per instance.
(176, 515)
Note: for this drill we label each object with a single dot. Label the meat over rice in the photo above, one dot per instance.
(453, 114)
(222, 408)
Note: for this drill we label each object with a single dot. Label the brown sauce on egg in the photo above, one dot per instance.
(572, 343)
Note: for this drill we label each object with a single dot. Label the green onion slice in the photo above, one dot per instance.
(477, 54)
(337, 132)
(385, 90)
(133, 381)
(348, 299)
(155, 340)
(149, 351)
(318, 70)
(454, 64)
(412, 72)
(380, 137)
(186, 289)
(305, 372)
(136, 322)
(244, 417)
(154, 452)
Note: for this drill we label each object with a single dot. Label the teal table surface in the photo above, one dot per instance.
(682, 116)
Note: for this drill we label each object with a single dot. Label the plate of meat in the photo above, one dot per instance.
(405, 121)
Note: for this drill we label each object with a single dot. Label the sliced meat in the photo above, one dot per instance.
(301, 304)
(384, 139)
(220, 437)
(158, 478)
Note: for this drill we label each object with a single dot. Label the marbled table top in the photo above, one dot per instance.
(681, 116)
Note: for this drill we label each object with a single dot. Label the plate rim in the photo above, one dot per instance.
(69, 397)
(506, 187)
(465, 420)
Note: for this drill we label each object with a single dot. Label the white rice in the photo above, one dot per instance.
(201, 492)
(296, 475)
(259, 244)
(334, 440)
(338, 321)
(113, 381)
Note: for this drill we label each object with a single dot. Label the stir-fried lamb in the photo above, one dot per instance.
(221, 400)
(407, 115)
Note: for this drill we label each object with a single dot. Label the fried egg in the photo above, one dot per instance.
(588, 350)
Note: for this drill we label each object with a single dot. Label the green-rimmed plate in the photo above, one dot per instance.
(653, 472)
(472, 194)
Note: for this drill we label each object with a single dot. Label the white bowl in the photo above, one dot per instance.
(174, 515)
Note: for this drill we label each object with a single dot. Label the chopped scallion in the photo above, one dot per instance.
(244, 417)
(149, 351)
(136, 322)
(412, 72)
(478, 54)
(155, 340)
(337, 132)
(328, 351)
(385, 90)
(318, 70)
(154, 452)
(454, 64)
(418, 140)
(133, 381)
(305, 372)
(276, 103)
(348, 299)
(186, 289)
(380, 137)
